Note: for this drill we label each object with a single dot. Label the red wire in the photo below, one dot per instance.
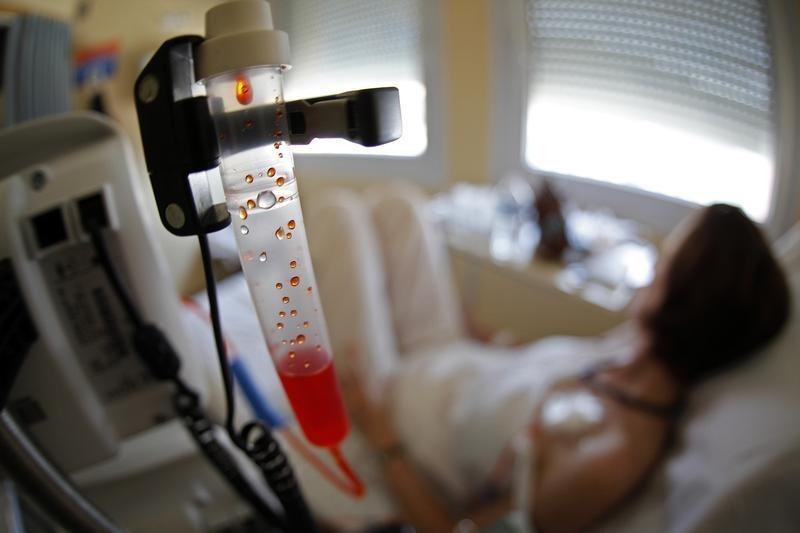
(357, 485)
(353, 485)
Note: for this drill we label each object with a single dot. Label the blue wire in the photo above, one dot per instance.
(258, 402)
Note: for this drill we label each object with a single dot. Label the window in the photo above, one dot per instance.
(353, 44)
(673, 97)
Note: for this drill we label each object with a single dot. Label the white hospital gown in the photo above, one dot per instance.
(457, 407)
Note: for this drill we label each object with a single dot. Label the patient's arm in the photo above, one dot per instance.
(423, 506)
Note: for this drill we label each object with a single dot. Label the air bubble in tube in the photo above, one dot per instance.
(265, 199)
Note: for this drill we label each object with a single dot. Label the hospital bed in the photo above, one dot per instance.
(735, 466)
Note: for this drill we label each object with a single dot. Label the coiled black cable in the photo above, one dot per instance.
(187, 406)
(266, 453)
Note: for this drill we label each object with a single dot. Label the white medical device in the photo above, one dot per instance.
(82, 389)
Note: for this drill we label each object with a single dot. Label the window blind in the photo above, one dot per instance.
(698, 66)
(36, 78)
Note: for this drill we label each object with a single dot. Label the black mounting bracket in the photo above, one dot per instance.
(180, 138)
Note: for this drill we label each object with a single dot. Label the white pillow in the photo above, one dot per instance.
(787, 249)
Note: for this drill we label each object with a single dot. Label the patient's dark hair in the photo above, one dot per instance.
(723, 296)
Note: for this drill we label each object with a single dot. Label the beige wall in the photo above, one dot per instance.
(61, 10)
(140, 27)
(465, 69)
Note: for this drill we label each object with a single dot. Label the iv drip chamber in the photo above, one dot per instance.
(245, 95)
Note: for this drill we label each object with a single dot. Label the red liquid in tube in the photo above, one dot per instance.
(310, 383)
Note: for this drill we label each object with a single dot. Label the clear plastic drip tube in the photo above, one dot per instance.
(262, 196)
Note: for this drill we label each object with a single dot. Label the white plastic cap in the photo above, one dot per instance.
(239, 36)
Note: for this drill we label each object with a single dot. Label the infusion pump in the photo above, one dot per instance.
(82, 391)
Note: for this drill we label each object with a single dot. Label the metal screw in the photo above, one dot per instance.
(148, 89)
(38, 180)
(174, 215)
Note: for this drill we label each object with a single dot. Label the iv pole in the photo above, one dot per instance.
(49, 486)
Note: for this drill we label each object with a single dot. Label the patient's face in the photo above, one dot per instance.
(652, 296)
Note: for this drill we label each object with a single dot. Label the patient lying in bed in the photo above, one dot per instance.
(528, 439)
